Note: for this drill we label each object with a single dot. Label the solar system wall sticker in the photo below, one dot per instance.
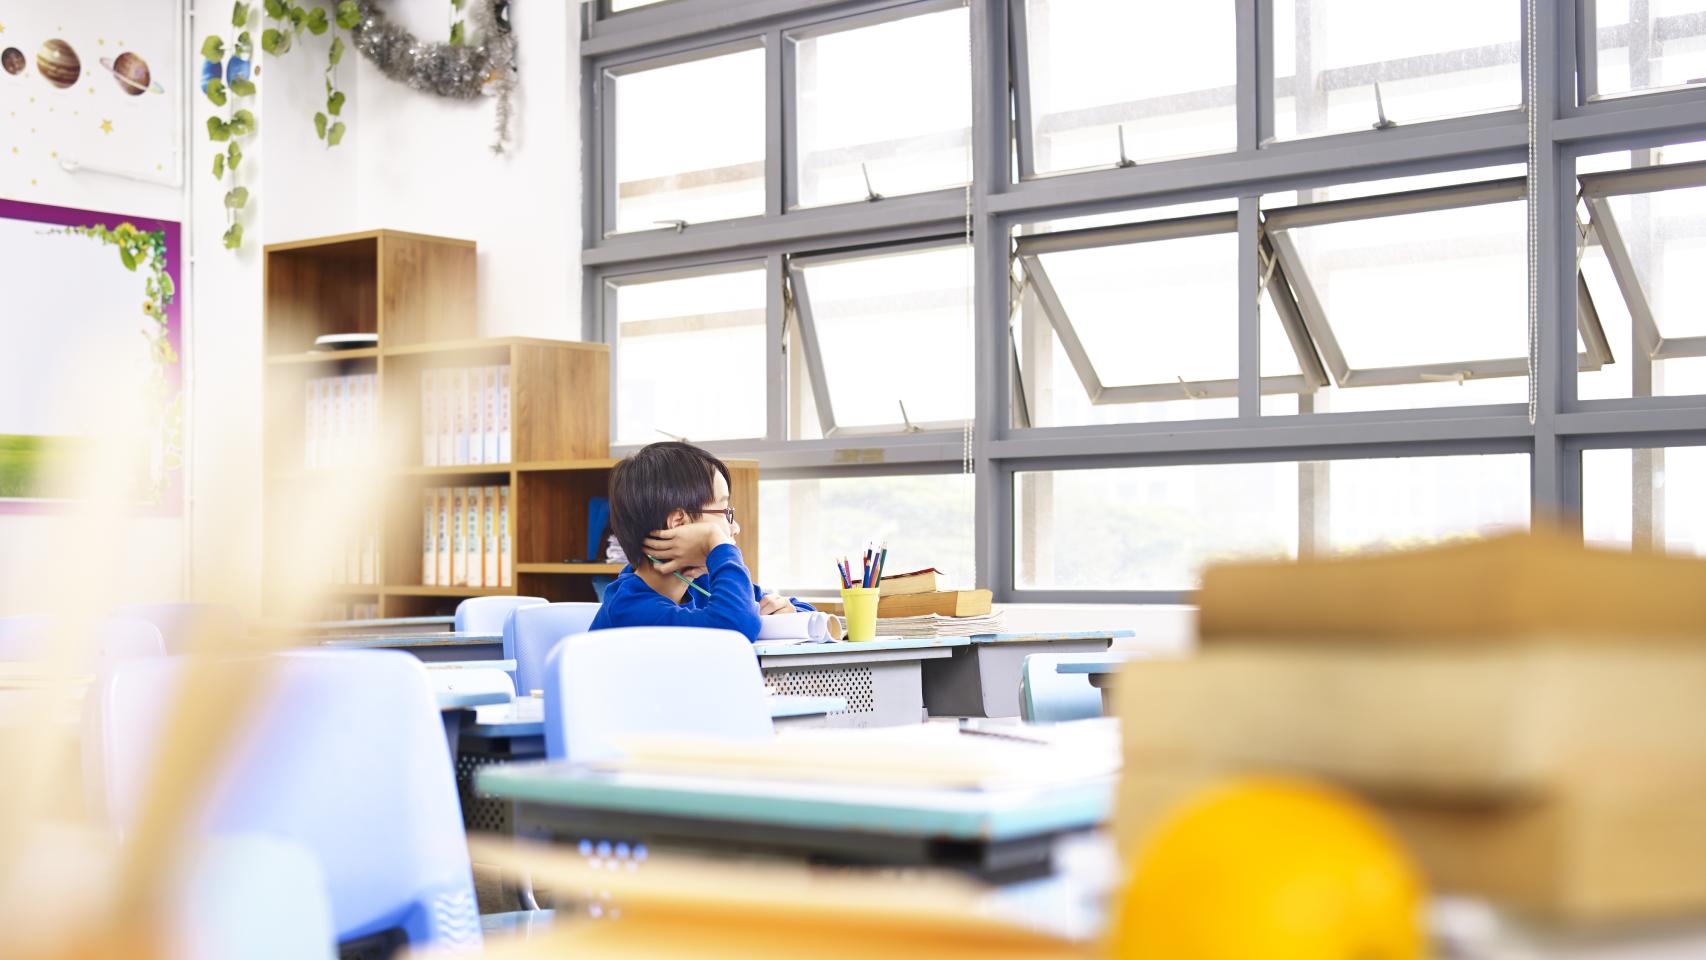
(87, 83)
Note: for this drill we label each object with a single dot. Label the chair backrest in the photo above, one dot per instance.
(1049, 696)
(531, 632)
(114, 638)
(635, 681)
(487, 614)
(180, 622)
(342, 752)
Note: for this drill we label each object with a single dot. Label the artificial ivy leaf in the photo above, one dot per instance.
(457, 3)
(217, 129)
(242, 87)
(215, 91)
(219, 166)
(276, 9)
(275, 42)
(335, 103)
(234, 237)
(297, 16)
(213, 49)
(316, 21)
(349, 14)
(456, 34)
(239, 13)
(236, 198)
(233, 155)
(337, 52)
(336, 134)
(245, 44)
(243, 123)
(320, 125)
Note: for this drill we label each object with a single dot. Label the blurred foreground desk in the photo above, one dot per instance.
(981, 679)
(882, 680)
(998, 834)
(429, 647)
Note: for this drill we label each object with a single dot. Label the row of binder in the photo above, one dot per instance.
(465, 416)
(354, 560)
(465, 537)
(341, 420)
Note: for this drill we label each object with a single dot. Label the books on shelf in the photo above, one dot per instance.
(353, 559)
(935, 625)
(465, 416)
(465, 537)
(949, 603)
(340, 420)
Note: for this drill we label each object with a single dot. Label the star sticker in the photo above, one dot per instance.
(106, 126)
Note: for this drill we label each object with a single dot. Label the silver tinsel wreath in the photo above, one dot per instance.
(461, 73)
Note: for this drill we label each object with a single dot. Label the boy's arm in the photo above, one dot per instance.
(730, 606)
(759, 593)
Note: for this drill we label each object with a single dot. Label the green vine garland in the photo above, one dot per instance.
(147, 248)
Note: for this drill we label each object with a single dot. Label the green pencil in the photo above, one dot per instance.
(677, 575)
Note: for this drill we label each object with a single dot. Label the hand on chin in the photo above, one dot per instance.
(693, 573)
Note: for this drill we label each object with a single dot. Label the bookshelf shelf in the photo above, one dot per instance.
(417, 294)
(608, 569)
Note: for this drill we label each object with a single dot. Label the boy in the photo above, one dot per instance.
(670, 503)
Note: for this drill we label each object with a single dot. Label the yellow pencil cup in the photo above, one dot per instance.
(859, 610)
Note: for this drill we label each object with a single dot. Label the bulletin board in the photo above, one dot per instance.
(81, 284)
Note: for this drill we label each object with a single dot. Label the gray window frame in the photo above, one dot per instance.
(1570, 122)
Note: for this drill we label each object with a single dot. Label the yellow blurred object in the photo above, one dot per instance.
(1272, 868)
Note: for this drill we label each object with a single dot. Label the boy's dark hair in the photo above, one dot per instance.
(649, 485)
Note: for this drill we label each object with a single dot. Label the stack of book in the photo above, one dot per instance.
(465, 537)
(340, 419)
(465, 416)
(909, 605)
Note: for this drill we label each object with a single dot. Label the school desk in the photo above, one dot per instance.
(428, 647)
(1101, 674)
(981, 679)
(1001, 834)
(882, 680)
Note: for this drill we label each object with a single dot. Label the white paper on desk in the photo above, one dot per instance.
(803, 626)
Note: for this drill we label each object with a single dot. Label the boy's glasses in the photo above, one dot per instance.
(727, 512)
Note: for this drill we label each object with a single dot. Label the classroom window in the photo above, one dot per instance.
(1428, 61)
(864, 132)
(689, 141)
(617, 6)
(1644, 233)
(886, 338)
(1645, 45)
(1112, 82)
(1139, 321)
(927, 521)
(1653, 497)
(690, 357)
(1156, 528)
(1418, 298)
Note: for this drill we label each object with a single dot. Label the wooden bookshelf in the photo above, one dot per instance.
(417, 294)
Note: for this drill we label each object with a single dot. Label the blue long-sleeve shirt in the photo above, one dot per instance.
(732, 605)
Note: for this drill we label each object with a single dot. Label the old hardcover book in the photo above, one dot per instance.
(951, 603)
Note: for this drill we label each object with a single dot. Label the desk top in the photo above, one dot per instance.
(973, 815)
(416, 640)
(848, 646)
(523, 716)
(1111, 664)
(464, 699)
(984, 638)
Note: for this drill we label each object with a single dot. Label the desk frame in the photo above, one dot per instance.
(883, 683)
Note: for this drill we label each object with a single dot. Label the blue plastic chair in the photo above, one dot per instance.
(180, 622)
(1049, 696)
(636, 681)
(114, 638)
(532, 632)
(487, 614)
(344, 754)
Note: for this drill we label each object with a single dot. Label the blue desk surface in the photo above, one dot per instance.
(847, 646)
(416, 640)
(466, 699)
(984, 638)
(1108, 665)
(975, 815)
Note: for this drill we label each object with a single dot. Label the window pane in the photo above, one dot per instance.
(1655, 496)
(1166, 523)
(617, 6)
(1446, 289)
(907, 123)
(1164, 74)
(809, 524)
(667, 330)
(1658, 43)
(690, 141)
(1663, 236)
(895, 329)
(1431, 60)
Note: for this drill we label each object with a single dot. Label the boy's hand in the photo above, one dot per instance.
(685, 547)
(774, 603)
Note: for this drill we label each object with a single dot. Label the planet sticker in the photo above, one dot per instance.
(131, 72)
(13, 61)
(58, 63)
